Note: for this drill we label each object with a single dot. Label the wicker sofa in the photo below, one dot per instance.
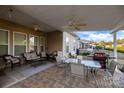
(31, 57)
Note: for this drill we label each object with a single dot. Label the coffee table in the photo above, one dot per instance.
(37, 62)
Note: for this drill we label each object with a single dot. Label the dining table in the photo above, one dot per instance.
(90, 65)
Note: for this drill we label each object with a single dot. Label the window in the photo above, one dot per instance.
(74, 45)
(20, 43)
(67, 49)
(4, 42)
(33, 46)
(42, 44)
(67, 45)
(67, 40)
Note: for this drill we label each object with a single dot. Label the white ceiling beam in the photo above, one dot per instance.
(119, 25)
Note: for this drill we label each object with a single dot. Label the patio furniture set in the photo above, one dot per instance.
(85, 68)
(32, 58)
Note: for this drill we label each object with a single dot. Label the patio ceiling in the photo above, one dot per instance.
(55, 17)
(22, 18)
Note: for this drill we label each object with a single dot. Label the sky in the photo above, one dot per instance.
(98, 36)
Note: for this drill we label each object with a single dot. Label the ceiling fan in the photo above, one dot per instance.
(73, 25)
(36, 27)
(10, 13)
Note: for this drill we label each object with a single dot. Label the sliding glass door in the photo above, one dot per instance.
(33, 45)
(42, 44)
(20, 43)
(4, 42)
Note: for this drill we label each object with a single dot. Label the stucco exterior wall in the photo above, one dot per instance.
(13, 27)
(54, 41)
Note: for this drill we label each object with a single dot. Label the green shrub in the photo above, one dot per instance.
(98, 47)
(121, 51)
(85, 53)
(71, 56)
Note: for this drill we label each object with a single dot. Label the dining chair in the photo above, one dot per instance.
(59, 53)
(109, 72)
(61, 64)
(78, 70)
(59, 61)
(80, 57)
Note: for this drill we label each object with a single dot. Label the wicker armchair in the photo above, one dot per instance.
(12, 60)
(2, 66)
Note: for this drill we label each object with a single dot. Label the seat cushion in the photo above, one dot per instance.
(43, 54)
(27, 56)
(15, 60)
(8, 59)
(33, 54)
(37, 57)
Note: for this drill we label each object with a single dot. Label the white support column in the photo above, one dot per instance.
(64, 43)
(115, 45)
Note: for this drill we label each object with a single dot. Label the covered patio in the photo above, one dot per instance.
(41, 33)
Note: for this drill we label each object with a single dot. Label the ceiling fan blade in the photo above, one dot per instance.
(69, 28)
(77, 28)
(72, 27)
(81, 24)
(77, 24)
